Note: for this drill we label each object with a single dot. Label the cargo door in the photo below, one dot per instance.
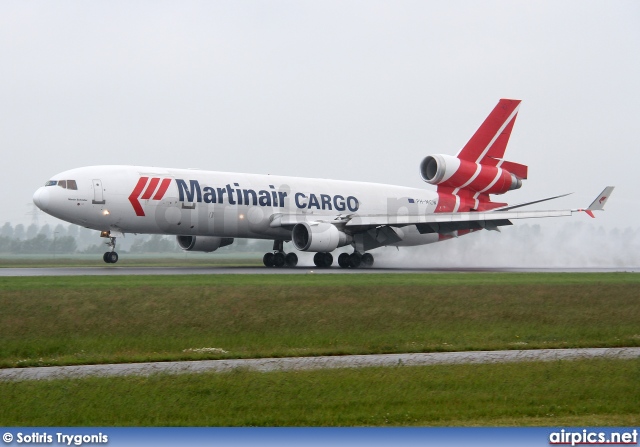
(98, 197)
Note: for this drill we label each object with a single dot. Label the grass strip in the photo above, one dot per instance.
(357, 279)
(81, 320)
(561, 393)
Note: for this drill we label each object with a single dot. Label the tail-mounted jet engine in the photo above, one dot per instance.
(453, 172)
(319, 236)
(203, 243)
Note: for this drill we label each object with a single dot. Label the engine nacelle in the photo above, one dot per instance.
(318, 236)
(436, 169)
(203, 243)
(452, 172)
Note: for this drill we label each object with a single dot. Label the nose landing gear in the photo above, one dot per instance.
(111, 257)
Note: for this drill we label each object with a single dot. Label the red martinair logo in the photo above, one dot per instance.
(151, 187)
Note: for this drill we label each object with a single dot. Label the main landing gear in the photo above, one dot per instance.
(278, 258)
(111, 257)
(355, 260)
(323, 260)
(345, 260)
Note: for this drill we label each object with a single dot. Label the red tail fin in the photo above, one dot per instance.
(491, 138)
(465, 183)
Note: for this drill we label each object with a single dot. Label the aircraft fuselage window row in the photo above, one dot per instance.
(67, 184)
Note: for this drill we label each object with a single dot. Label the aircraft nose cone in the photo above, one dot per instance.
(41, 198)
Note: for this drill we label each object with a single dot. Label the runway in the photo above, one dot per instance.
(221, 270)
(310, 363)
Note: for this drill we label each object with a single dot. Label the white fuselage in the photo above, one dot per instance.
(136, 199)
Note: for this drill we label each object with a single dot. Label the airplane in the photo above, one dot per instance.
(207, 210)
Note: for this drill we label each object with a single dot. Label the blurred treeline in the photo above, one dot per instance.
(71, 239)
(572, 243)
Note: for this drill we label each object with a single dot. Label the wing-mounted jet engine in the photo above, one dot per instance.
(206, 244)
(321, 237)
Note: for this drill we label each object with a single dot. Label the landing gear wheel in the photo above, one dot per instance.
(323, 260)
(291, 259)
(267, 259)
(110, 257)
(367, 260)
(343, 260)
(355, 260)
(278, 259)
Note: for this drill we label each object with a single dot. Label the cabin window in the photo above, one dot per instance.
(50, 183)
(71, 184)
(62, 183)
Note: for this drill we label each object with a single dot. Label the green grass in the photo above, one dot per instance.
(76, 320)
(561, 393)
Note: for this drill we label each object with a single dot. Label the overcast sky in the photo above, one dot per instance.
(355, 90)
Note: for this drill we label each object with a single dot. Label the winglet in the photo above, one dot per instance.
(598, 204)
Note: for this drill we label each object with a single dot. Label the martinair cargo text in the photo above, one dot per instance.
(206, 210)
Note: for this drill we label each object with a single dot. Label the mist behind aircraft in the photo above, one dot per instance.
(574, 244)
(558, 244)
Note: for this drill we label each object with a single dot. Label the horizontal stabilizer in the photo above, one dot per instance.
(519, 170)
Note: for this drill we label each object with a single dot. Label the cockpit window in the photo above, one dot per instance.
(66, 184)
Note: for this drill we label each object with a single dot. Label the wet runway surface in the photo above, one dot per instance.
(190, 270)
(309, 363)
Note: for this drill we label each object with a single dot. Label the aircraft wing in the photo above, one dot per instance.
(490, 220)
(449, 222)
(430, 223)
(437, 222)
